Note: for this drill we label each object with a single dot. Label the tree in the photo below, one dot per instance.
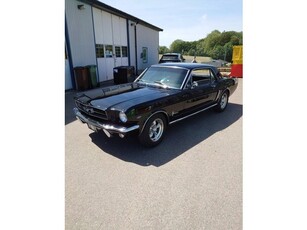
(163, 50)
(211, 40)
(228, 52)
(177, 46)
(216, 45)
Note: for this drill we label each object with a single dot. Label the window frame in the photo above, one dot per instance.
(118, 54)
(126, 51)
(100, 53)
(106, 54)
(209, 79)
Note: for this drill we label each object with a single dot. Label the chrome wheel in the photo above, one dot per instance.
(156, 130)
(224, 101)
(153, 131)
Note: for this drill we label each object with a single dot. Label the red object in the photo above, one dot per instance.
(236, 70)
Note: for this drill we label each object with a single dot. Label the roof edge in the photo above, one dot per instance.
(110, 9)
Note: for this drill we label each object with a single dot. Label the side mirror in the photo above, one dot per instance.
(194, 84)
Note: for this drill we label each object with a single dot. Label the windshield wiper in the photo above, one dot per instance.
(142, 82)
(162, 84)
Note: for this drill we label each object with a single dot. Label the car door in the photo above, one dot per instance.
(201, 89)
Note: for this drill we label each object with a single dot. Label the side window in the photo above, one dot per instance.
(201, 76)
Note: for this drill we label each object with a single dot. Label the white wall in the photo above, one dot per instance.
(109, 30)
(148, 38)
(81, 35)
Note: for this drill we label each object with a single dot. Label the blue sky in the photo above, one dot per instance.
(186, 20)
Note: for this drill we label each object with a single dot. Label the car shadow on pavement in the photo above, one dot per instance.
(178, 138)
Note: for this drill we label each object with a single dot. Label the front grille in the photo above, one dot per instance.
(91, 111)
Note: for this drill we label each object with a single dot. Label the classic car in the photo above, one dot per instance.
(162, 95)
(171, 57)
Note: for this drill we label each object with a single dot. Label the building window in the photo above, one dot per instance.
(117, 51)
(109, 51)
(124, 51)
(144, 54)
(99, 51)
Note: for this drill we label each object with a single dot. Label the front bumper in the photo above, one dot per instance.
(108, 128)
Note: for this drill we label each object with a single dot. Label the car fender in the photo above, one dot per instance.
(222, 92)
(152, 114)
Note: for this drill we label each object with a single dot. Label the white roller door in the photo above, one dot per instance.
(111, 42)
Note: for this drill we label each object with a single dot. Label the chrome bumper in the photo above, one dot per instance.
(107, 128)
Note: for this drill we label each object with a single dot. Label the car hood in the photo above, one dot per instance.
(123, 97)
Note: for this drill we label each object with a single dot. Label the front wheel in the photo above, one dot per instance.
(153, 131)
(223, 102)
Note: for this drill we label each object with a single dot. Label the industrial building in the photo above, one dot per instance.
(99, 35)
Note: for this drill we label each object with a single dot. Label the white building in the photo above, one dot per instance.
(98, 34)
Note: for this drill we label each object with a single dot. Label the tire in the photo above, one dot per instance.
(153, 131)
(223, 102)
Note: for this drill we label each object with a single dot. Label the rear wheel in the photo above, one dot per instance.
(223, 102)
(153, 131)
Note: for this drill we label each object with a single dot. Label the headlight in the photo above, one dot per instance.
(123, 117)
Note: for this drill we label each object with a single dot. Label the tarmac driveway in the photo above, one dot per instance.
(192, 180)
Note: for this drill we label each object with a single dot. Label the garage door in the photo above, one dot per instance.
(111, 42)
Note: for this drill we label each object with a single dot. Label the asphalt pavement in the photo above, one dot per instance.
(192, 180)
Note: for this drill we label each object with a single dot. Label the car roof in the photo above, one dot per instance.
(171, 54)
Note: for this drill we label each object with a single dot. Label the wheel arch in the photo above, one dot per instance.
(220, 93)
(223, 91)
(226, 90)
(164, 113)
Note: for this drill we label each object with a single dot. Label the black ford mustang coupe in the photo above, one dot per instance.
(162, 95)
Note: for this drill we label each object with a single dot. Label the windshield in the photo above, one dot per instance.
(169, 57)
(167, 77)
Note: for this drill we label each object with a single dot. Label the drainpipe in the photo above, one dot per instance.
(128, 42)
(135, 44)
